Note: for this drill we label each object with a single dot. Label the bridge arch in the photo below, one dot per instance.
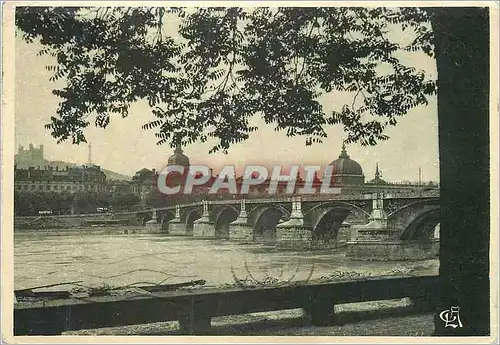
(221, 208)
(265, 219)
(338, 205)
(189, 217)
(144, 217)
(164, 217)
(413, 221)
(415, 204)
(422, 227)
(327, 219)
(222, 217)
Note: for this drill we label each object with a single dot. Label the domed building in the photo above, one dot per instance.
(377, 180)
(346, 171)
(178, 158)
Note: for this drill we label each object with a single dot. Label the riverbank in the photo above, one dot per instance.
(89, 230)
(55, 222)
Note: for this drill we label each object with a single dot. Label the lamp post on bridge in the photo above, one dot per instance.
(178, 212)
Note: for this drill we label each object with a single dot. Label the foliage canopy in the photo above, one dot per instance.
(205, 72)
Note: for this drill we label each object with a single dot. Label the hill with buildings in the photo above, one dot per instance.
(33, 157)
(110, 175)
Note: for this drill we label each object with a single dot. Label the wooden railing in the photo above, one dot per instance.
(195, 308)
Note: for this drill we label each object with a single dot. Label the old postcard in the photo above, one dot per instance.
(321, 172)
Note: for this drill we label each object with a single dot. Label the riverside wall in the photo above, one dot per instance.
(76, 221)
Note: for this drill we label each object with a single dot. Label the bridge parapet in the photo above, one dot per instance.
(424, 194)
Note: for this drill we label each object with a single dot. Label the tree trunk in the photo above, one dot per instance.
(462, 53)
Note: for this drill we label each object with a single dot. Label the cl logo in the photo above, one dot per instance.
(451, 317)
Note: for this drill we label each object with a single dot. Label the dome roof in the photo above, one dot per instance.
(344, 165)
(178, 158)
(377, 179)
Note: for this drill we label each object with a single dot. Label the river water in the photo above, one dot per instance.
(121, 260)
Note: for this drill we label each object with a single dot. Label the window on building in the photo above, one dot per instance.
(68, 187)
(56, 187)
(25, 187)
(47, 187)
(40, 187)
(74, 187)
(33, 187)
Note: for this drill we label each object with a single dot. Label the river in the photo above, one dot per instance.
(121, 260)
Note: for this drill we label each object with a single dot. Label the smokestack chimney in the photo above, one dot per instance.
(90, 154)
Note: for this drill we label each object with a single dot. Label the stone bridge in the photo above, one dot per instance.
(307, 221)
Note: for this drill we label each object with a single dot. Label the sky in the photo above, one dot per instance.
(125, 147)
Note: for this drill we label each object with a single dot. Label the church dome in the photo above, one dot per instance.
(347, 170)
(377, 179)
(178, 158)
(344, 165)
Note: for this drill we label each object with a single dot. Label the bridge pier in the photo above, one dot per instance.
(176, 227)
(374, 241)
(239, 229)
(344, 234)
(370, 239)
(203, 227)
(153, 226)
(293, 233)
